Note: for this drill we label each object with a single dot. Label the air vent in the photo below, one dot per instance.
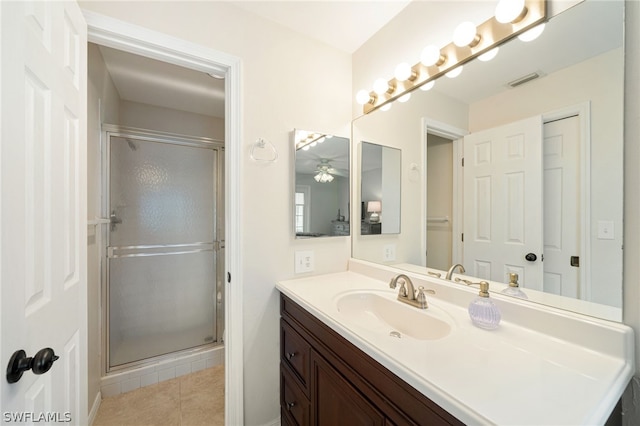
(523, 80)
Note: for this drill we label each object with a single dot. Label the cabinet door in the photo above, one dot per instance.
(335, 401)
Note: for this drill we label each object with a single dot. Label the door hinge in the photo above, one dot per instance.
(462, 161)
(228, 277)
(462, 237)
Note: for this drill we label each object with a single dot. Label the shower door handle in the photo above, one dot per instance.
(114, 220)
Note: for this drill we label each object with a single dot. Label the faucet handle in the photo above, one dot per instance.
(421, 298)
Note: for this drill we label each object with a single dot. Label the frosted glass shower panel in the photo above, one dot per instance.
(160, 304)
(160, 193)
(162, 251)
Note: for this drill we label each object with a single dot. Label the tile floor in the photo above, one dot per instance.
(194, 399)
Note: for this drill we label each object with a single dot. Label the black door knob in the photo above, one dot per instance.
(531, 257)
(39, 364)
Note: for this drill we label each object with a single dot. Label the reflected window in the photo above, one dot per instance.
(301, 208)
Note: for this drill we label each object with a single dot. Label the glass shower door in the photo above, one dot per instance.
(162, 248)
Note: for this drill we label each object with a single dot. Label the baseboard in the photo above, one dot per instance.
(94, 409)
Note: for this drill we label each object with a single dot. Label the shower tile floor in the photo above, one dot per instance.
(194, 399)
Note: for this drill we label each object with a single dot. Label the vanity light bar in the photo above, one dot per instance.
(312, 138)
(489, 35)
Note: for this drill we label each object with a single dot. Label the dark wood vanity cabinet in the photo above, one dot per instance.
(327, 381)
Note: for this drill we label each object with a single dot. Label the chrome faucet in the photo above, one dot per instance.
(453, 268)
(408, 294)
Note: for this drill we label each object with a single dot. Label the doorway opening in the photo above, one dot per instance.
(105, 31)
(162, 200)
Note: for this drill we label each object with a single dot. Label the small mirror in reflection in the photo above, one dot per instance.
(379, 189)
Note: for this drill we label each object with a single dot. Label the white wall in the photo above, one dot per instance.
(143, 116)
(101, 90)
(282, 88)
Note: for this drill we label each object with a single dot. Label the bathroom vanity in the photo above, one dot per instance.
(352, 354)
(325, 378)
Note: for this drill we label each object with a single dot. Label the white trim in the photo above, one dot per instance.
(120, 35)
(457, 227)
(94, 408)
(447, 131)
(583, 110)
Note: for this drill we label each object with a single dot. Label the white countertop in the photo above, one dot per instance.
(572, 372)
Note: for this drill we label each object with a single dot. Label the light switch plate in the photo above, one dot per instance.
(606, 230)
(304, 261)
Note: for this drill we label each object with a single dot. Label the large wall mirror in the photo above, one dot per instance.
(321, 185)
(540, 131)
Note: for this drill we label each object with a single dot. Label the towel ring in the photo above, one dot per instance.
(263, 151)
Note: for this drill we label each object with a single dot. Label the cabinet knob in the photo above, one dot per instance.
(290, 405)
(290, 355)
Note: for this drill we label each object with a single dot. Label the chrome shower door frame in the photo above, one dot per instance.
(217, 246)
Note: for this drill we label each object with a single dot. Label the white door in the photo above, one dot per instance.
(43, 200)
(562, 219)
(503, 203)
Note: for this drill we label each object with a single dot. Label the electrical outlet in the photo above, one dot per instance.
(304, 262)
(389, 253)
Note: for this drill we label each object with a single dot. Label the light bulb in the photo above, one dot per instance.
(314, 143)
(321, 139)
(385, 107)
(465, 34)
(430, 55)
(305, 148)
(403, 71)
(510, 11)
(363, 97)
(380, 86)
(428, 86)
(487, 56)
(454, 72)
(532, 34)
(405, 97)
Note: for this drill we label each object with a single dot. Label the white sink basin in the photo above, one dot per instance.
(380, 313)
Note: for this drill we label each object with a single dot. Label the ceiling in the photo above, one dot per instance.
(345, 25)
(152, 82)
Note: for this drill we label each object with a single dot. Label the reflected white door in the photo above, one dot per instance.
(562, 219)
(503, 203)
(43, 199)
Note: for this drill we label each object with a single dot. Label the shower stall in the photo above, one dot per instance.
(163, 274)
